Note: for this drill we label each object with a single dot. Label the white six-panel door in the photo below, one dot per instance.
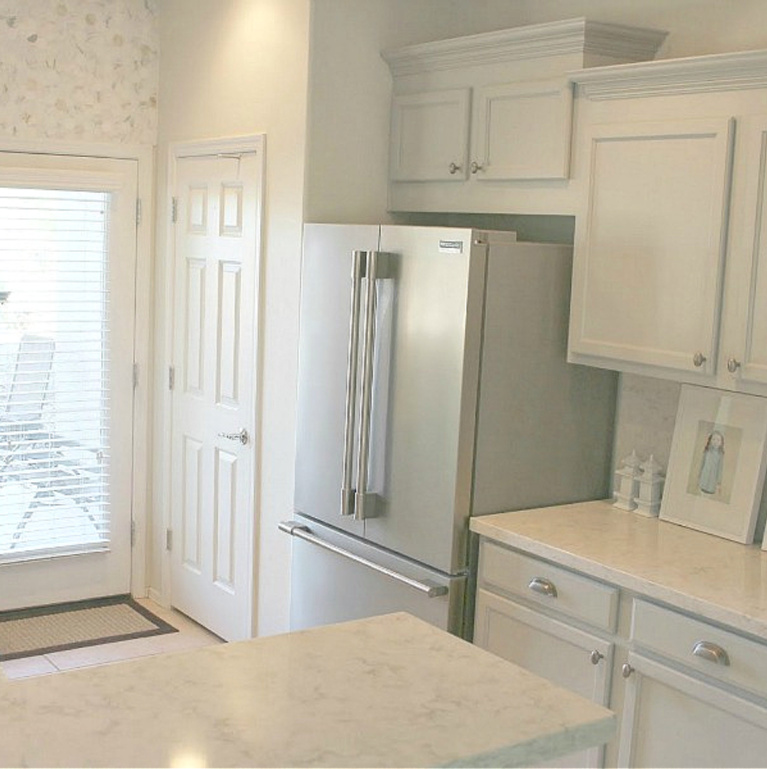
(216, 256)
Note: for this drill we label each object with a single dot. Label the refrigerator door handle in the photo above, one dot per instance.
(295, 529)
(359, 259)
(377, 269)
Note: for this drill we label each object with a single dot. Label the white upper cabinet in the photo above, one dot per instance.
(647, 288)
(430, 134)
(522, 131)
(491, 115)
(745, 344)
(670, 271)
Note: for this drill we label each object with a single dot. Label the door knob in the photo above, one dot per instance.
(241, 436)
(698, 359)
(595, 657)
(626, 670)
(733, 365)
(475, 167)
(454, 168)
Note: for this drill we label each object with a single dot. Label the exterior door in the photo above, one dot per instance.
(216, 260)
(67, 292)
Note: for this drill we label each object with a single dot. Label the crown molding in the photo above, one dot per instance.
(573, 36)
(697, 74)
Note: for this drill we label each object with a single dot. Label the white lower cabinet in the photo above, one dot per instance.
(687, 692)
(671, 718)
(568, 657)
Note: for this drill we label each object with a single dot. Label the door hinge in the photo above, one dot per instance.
(169, 539)
(171, 377)
(174, 210)
(132, 533)
(138, 211)
(135, 375)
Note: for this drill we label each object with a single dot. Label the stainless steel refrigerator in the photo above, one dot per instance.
(432, 386)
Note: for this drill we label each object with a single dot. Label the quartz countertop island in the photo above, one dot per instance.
(386, 691)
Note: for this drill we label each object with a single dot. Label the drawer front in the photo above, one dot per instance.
(722, 654)
(547, 585)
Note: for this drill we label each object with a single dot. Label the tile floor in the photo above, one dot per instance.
(190, 636)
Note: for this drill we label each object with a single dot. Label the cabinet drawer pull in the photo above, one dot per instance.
(596, 657)
(626, 670)
(543, 586)
(454, 168)
(711, 653)
(733, 365)
(698, 359)
(476, 167)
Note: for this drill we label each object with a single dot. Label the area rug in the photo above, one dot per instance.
(46, 629)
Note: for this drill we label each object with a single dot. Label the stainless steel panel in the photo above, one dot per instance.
(328, 588)
(437, 278)
(323, 349)
(544, 432)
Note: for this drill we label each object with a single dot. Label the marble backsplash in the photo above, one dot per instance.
(79, 70)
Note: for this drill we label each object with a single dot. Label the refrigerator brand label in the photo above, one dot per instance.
(451, 246)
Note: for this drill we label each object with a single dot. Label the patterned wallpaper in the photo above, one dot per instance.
(79, 70)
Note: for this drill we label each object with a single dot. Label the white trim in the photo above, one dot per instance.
(144, 157)
(696, 74)
(164, 411)
(573, 36)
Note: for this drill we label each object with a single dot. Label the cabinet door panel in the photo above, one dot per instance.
(671, 719)
(430, 136)
(548, 648)
(522, 131)
(749, 245)
(650, 259)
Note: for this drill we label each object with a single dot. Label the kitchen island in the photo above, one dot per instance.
(386, 691)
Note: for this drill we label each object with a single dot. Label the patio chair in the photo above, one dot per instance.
(21, 413)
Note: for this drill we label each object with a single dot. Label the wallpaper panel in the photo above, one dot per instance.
(79, 70)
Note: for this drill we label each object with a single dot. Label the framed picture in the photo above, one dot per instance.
(717, 464)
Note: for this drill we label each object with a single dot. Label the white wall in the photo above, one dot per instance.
(80, 70)
(234, 67)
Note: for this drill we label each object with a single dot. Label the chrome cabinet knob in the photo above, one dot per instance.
(711, 652)
(595, 657)
(241, 436)
(626, 670)
(698, 359)
(733, 365)
(454, 168)
(475, 167)
(543, 587)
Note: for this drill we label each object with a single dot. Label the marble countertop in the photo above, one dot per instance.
(721, 580)
(386, 691)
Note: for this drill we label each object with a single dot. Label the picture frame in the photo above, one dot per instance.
(717, 464)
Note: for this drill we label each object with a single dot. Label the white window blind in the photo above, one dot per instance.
(54, 372)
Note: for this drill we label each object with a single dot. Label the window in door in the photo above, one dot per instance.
(54, 372)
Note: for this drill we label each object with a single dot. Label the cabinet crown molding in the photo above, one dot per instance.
(696, 74)
(573, 36)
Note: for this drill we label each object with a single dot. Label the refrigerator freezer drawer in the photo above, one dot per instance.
(336, 578)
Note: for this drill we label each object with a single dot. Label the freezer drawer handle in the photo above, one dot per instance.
(431, 589)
